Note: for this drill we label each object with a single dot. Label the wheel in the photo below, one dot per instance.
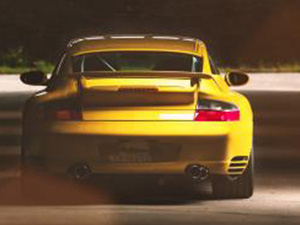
(225, 187)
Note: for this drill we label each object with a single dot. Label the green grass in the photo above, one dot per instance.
(44, 66)
(39, 65)
(268, 68)
(12, 70)
(262, 68)
(16, 61)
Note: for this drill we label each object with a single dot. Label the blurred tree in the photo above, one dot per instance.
(229, 27)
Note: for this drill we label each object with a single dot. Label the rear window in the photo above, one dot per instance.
(136, 61)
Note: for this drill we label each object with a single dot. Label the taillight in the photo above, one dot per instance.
(66, 114)
(66, 110)
(212, 110)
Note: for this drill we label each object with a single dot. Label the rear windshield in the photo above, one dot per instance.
(136, 61)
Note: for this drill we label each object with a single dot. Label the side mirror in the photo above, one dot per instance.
(236, 78)
(34, 78)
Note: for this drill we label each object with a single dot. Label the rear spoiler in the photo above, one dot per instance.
(193, 76)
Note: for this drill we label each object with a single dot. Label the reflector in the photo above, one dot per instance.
(67, 115)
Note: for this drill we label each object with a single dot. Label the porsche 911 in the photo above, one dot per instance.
(140, 105)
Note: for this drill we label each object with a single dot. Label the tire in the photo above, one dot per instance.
(225, 187)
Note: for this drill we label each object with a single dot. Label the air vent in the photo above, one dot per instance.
(236, 170)
(238, 165)
(240, 158)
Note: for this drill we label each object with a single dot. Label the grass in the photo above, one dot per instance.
(16, 61)
(262, 68)
(39, 65)
(268, 68)
(13, 70)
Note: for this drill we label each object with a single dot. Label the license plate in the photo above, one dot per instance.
(126, 152)
(137, 151)
(130, 157)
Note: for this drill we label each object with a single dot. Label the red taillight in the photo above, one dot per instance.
(216, 115)
(65, 114)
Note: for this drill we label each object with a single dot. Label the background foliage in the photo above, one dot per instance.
(238, 32)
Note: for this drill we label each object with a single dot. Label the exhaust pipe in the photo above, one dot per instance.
(80, 171)
(197, 172)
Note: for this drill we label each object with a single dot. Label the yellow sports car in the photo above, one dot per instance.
(150, 105)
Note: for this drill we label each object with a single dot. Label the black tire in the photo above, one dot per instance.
(225, 187)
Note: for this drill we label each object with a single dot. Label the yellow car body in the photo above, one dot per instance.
(124, 112)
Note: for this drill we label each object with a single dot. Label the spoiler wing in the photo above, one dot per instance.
(193, 76)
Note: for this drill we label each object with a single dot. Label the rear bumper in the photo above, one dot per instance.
(145, 128)
(179, 144)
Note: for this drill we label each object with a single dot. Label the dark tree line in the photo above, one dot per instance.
(247, 31)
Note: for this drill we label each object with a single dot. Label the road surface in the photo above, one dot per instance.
(277, 158)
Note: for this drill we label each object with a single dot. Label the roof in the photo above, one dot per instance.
(134, 42)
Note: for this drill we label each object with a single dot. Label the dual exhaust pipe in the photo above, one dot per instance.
(80, 172)
(195, 171)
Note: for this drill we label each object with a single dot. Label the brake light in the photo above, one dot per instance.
(211, 115)
(212, 110)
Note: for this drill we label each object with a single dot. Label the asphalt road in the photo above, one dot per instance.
(276, 199)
